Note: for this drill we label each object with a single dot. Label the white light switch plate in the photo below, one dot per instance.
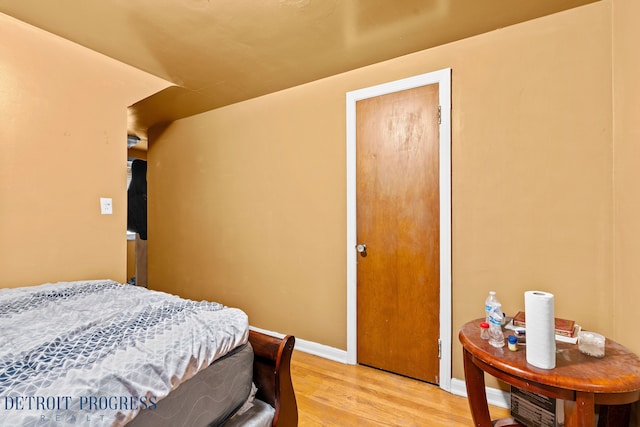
(106, 205)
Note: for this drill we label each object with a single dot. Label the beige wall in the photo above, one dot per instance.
(247, 202)
(626, 104)
(62, 147)
(626, 91)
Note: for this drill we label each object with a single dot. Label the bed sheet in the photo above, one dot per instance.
(95, 353)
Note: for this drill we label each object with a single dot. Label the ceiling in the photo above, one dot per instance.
(219, 52)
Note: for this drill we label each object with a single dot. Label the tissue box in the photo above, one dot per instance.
(591, 344)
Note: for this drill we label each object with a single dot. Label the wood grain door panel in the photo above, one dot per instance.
(397, 194)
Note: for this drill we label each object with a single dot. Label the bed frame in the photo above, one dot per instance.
(272, 376)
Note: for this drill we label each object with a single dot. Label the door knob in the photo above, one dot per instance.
(362, 249)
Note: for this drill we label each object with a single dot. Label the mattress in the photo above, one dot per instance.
(97, 353)
(210, 398)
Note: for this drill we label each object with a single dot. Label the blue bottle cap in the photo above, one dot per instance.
(512, 339)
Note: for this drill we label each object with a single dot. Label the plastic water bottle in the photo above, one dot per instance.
(488, 305)
(494, 317)
(496, 337)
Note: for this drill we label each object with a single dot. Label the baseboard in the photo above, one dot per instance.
(495, 396)
(311, 347)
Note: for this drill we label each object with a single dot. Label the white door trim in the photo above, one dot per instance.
(443, 78)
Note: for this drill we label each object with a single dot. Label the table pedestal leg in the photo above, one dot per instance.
(580, 413)
(614, 415)
(476, 394)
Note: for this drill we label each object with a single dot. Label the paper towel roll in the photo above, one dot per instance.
(540, 326)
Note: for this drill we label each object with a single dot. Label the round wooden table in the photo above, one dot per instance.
(582, 381)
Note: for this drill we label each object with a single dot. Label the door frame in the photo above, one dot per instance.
(443, 78)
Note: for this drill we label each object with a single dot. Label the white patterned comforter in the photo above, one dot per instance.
(96, 353)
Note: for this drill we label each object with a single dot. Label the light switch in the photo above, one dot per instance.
(106, 205)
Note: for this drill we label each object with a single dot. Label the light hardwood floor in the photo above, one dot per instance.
(334, 394)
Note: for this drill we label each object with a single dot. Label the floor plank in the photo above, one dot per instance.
(334, 394)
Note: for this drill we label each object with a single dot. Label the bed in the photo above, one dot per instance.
(100, 353)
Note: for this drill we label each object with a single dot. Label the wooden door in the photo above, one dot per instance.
(397, 196)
